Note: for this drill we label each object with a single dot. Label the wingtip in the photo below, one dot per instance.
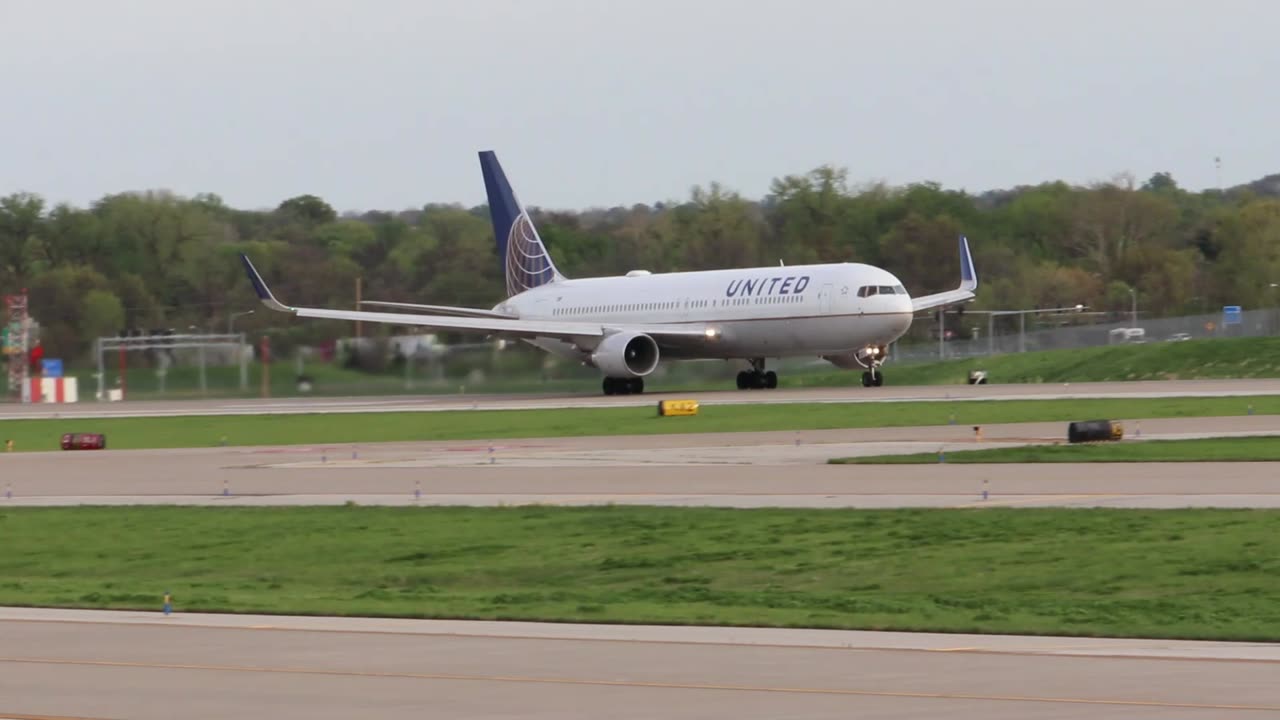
(260, 286)
(968, 274)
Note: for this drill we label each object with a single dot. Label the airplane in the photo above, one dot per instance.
(845, 313)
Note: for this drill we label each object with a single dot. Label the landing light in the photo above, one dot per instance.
(711, 332)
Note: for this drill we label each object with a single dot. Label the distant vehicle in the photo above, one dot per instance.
(845, 313)
(1178, 337)
(1127, 336)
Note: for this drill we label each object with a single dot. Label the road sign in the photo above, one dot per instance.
(1231, 315)
(51, 367)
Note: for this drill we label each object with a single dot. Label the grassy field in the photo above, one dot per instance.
(207, 431)
(1234, 449)
(1173, 573)
(1194, 359)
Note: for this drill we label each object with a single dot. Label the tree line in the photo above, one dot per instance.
(157, 260)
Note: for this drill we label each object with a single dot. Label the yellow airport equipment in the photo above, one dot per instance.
(667, 408)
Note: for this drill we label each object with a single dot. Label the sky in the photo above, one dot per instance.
(383, 104)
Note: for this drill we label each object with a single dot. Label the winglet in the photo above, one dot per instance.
(968, 275)
(260, 287)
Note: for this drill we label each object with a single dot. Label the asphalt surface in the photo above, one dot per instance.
(73, 664)
(730, 469)
(425, 403)
(64, 664)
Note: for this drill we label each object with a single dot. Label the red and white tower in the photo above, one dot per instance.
(16, 345)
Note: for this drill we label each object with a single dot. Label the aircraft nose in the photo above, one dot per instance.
(902, 305)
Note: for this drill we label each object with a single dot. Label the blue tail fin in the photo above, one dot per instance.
(525, 261)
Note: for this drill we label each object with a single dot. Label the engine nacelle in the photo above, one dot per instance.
(866, 358)
(626, 354)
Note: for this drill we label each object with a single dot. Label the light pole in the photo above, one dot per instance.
(1275, 312)
(1133, 317)
(231, 319)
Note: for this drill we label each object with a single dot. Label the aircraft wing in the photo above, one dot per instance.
(964, 293)
(578, 332)
(438, 309)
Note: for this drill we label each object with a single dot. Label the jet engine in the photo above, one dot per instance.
(626, 354)
(866, 358)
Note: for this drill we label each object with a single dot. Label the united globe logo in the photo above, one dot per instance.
(528, 265)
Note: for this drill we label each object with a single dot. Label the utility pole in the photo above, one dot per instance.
(358, 306)
(266, 367)
(942, 332)
(1133, 312)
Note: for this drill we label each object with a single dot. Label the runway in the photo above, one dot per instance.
(66, 663)
(768, 469)
(428, 403)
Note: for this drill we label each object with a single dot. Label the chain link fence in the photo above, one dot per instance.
(974, 336)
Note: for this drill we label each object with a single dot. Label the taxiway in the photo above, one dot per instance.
(780, 469)
(66, 663)
(428, 403)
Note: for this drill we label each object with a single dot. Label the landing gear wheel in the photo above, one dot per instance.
(756, 378)
(878, 380)
(623, 386)
(866, 379)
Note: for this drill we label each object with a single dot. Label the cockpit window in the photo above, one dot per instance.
(869, 290)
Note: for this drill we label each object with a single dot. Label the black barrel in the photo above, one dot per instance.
(1094, 431)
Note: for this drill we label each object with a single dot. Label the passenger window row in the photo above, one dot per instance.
(642, 307)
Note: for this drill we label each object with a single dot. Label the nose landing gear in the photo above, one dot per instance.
(871, 358)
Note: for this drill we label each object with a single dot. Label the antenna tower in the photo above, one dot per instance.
(16, 334)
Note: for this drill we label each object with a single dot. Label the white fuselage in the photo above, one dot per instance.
(801, 310)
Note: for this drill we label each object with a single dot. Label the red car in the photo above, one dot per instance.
(84, 441)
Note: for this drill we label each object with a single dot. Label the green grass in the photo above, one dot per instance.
(1173, 573)
(1236, 449)
(1194, 359)
(206, 431)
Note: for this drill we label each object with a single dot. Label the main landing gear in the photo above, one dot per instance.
(623, 386)
(756, 378)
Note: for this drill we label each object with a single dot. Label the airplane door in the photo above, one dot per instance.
(824, 300)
